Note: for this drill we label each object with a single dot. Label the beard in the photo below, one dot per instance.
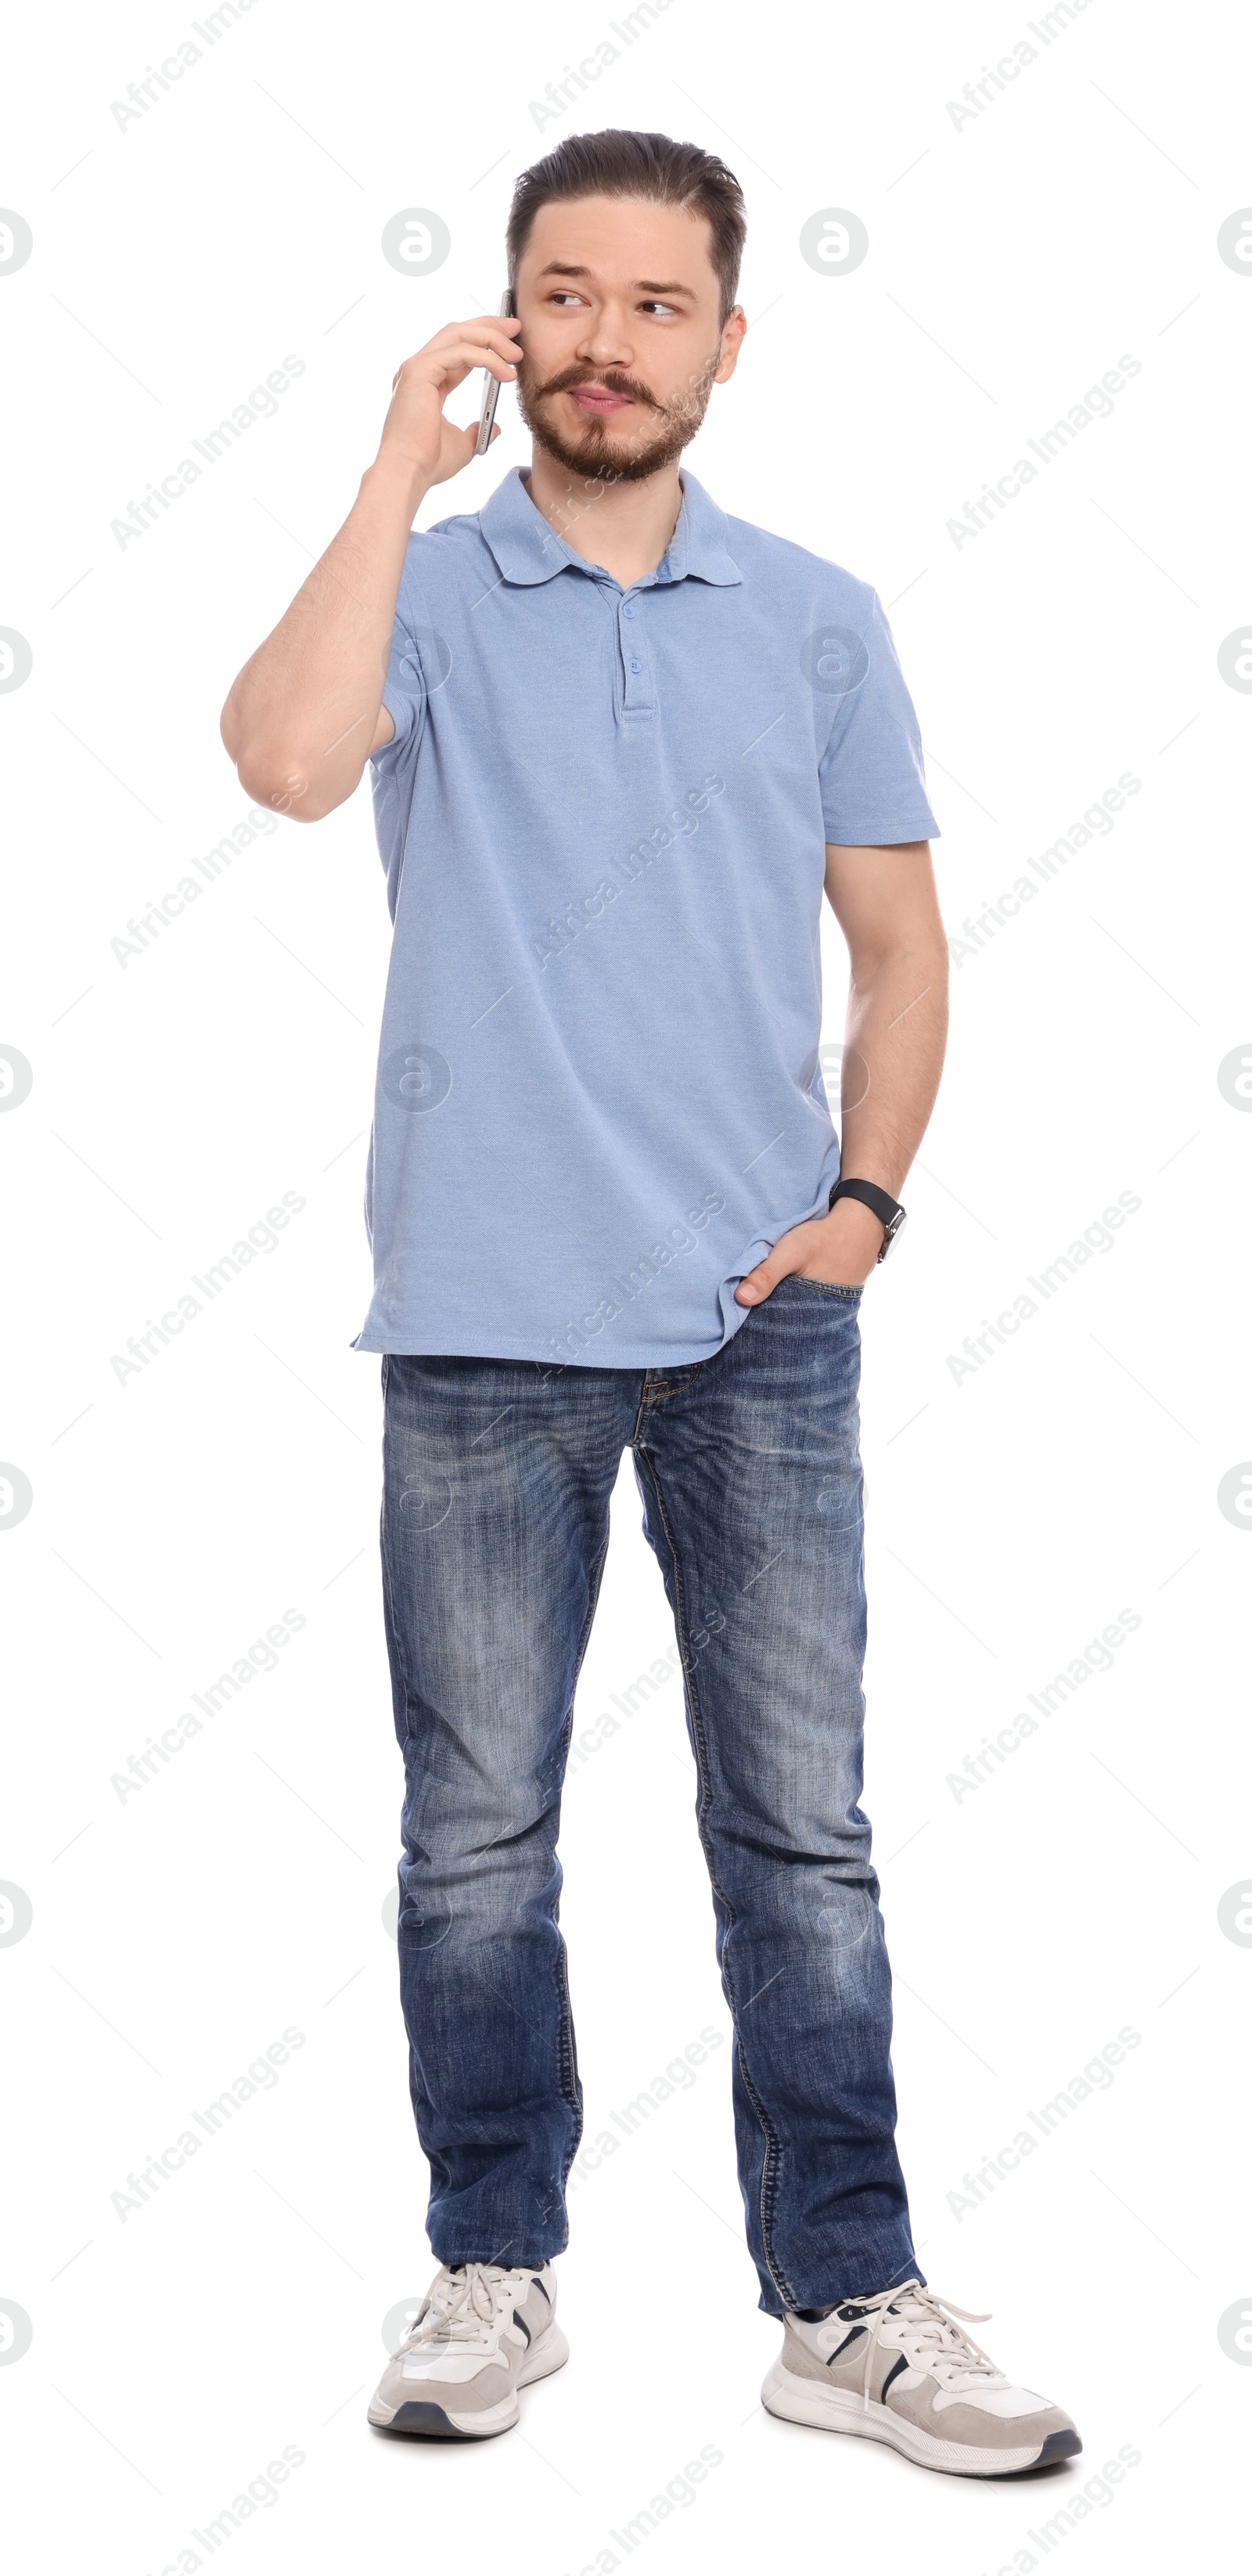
(597, 450)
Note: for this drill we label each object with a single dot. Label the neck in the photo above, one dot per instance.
(626, 527)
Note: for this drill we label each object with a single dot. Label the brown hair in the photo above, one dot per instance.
(617, 163)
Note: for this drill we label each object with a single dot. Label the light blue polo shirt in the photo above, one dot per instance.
(603, 820)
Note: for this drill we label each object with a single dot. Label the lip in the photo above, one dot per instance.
(597, 400)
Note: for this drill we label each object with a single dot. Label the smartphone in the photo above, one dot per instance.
(491, 389)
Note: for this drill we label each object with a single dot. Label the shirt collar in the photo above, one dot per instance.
(528, 551)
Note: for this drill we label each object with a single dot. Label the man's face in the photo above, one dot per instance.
(621, 340)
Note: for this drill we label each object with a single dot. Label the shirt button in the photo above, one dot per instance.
(628, 612)
(636, 666)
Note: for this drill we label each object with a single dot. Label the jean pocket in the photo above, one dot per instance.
(826, 1287)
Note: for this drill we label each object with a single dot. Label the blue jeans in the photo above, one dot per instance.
(495, 1523)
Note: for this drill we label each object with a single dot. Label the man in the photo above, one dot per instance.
(619, 742)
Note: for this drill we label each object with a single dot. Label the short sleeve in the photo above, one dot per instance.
(873, 781)
(404, 693)
(393, 768)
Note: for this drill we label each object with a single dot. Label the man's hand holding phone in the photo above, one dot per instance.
(415, 432)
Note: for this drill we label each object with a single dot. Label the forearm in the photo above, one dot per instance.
(894, 1040)
(300, 719)
(896, 1027)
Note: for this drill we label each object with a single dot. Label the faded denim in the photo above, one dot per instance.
(498, 1476)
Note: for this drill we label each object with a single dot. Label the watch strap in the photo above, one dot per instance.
(885, 1208)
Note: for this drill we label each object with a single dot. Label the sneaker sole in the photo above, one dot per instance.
(836, 2410)
(421, 2416)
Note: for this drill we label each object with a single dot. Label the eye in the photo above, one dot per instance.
(564, 295)
(653, 306)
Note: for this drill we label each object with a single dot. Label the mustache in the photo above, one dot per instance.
(629, 387)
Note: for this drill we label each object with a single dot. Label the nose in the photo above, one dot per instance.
(605, 342)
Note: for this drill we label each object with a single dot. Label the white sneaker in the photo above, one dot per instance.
(480, 2334)
(897, 2367)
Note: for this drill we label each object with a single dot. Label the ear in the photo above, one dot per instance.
(733, 331)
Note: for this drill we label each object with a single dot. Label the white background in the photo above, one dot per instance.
(179, 1931)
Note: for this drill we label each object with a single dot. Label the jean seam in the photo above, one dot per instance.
(569, 2053)
(656, 1394)
(396, 1630)
(698, 1737)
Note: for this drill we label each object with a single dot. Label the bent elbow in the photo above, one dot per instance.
(280, 780)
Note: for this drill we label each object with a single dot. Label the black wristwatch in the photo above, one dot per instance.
(889, 1212)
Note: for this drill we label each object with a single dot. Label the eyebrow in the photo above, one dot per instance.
(642, 285)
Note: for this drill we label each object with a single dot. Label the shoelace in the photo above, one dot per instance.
(930, 2337)
(460, 2306)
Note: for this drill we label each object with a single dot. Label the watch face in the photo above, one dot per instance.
(895, 1226)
